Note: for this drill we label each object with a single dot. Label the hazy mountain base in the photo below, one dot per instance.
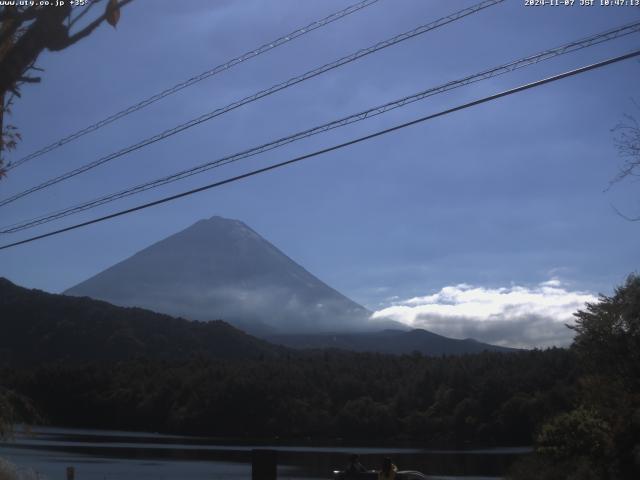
(388, 341)
(41, 327)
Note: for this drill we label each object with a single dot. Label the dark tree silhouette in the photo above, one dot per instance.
(608, 334)
(600, 438)
(26, 31)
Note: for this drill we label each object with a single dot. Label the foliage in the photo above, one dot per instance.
(608, 335)
(575, 434)
(9, 471)
(15, 408)
(600, 439)
(9, 135)
(439, 401)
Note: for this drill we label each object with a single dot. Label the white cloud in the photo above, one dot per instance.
(514, 316)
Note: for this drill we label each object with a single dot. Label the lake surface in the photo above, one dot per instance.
(110, 455)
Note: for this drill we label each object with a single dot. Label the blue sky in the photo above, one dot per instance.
(508, 194)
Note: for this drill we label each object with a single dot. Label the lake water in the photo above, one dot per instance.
(109, 455)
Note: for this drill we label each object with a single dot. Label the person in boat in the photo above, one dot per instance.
(388, 470)
(354, 466)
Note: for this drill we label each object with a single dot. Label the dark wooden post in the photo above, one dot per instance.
(264, 465)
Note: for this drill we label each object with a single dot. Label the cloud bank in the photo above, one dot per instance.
(515, 316)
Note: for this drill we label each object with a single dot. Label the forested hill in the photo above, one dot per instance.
(36, 326)
(484, 399)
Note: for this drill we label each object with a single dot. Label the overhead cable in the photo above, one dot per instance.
(371, 112)
(195, 79)
(256, 96)
(330, 149)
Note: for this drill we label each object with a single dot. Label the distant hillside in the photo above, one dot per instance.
(389, 341)
(221, 268)
(40, 327)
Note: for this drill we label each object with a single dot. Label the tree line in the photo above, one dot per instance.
(484, 399)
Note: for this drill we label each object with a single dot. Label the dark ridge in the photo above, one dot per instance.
(39, 327)
(389, 341)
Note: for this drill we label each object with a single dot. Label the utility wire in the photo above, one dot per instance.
(333, 148)
(363, 115)
(263, 93)
(193, 80)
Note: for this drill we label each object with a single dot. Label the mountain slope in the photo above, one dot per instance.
(38, 327)
(389, 341)
(222, 269)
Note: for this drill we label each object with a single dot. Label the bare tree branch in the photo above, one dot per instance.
(25, 31)
(627, 142)
(626, 217)
(30, 79)
(86, 31)
(49, 30)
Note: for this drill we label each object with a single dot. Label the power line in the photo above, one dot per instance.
(261, 94)
(198, 78)
(371, 112)
(333, 148)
